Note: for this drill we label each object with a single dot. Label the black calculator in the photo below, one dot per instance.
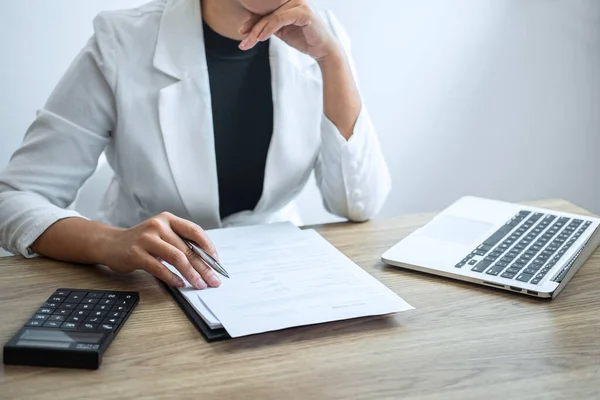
(72, 329)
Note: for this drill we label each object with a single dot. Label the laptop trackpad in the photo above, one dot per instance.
(455, 229)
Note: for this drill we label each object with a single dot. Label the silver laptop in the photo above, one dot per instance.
(529, 250)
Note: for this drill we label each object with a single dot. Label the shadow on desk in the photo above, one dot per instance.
(332, 331)
(316, 332)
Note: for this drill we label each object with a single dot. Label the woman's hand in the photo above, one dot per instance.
(296, 24)
(159, 238)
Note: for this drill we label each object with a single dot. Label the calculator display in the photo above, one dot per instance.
(57, 336)
(37, 343)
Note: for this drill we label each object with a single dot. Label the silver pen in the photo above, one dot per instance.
(207, 258)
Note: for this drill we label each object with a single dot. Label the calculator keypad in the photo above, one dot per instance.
(86, 311)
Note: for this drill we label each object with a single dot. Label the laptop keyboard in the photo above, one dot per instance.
(526, 247)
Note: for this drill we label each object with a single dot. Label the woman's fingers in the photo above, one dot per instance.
(266, 27)
(156, 268)
(296, 17)
(207, 274)
(205, 271)
(193, 232)
(252, 37)
(247, 27)
(162, 238)
(177, 258)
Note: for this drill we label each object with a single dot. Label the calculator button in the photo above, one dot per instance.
(87, 326)
(107, 327)
(102, 308)
(114, 321)
(63, 311)
(128, 296)
(94, 320)
(81, 313)
(50, 305)
(88, 307)
(40, 317)
(90, 301)
(120, 308)
(56, 299)
(44, 310)
(75, 297)
(113, 296)
(52, 324)
(125, 302)
(68, 306)
(69, 325)
(107, 302)
(76, 318)
(59, 318)
(98, 314)
(63, 293)
(34, 322)
(115, 314)
(93, 295)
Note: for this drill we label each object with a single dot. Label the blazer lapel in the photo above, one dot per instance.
(297, 110)
(185, 110)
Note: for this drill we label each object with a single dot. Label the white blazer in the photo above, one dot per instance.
(139, 90)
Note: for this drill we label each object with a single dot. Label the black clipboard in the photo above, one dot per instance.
(210, 335)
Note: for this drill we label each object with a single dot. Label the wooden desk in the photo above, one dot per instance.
(462, 341)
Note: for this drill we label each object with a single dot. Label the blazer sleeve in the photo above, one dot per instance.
(61, 148)
(352, 175)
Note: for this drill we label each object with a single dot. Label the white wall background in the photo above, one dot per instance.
(498, 98)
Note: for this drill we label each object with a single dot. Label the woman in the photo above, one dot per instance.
(216, 111)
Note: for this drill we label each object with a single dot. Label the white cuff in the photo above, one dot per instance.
(32, 228)
(357, 159)
(335, 144)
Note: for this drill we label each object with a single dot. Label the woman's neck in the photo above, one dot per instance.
(225, 17)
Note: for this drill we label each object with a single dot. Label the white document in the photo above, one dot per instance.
(190, 295)
(262, 232)
(283, 277)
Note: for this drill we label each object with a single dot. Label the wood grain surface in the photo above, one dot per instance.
(462, 341)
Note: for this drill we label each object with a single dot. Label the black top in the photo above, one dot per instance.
(242, 108)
